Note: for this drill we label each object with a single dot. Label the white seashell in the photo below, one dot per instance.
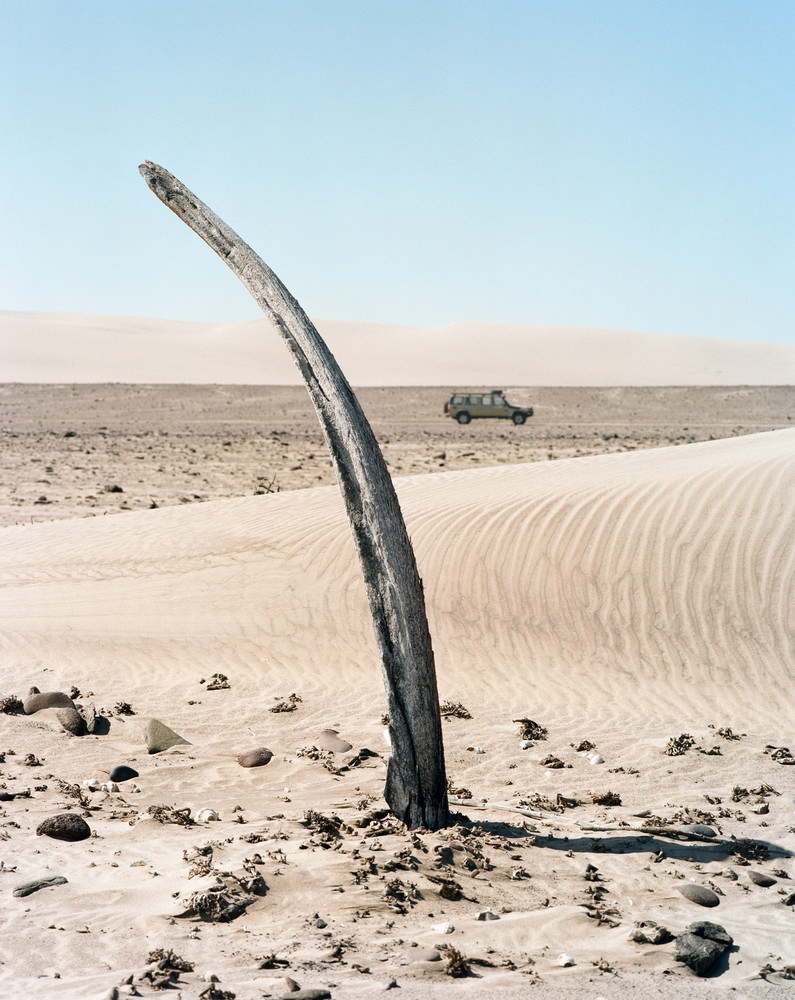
(110, 786)
(526, 744)
(387, 738)
(92, 784)
(595, 758)
(206, 816)
(445, 928)
(565, 960)
(134, 788)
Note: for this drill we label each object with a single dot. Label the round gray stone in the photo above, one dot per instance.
(699, 894)
(759, 878)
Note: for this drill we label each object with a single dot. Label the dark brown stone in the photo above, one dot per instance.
(64, 826)
(255, 758)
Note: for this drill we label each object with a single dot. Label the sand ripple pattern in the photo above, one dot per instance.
(597, 585)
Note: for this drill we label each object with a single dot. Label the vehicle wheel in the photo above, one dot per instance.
(518, 418)
(463, 417)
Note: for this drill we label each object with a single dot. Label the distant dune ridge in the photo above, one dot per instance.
(63, 347)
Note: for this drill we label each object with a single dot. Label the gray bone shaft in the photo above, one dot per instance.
(416, 786)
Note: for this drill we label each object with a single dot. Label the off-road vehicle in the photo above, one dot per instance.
(466, 406)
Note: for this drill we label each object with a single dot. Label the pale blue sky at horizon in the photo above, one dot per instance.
(612, 163)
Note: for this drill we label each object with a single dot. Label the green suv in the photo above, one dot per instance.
(465, 406)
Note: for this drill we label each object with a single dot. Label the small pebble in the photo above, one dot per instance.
(759, 878)
(699, 894)
(122, 772)
(255, 758)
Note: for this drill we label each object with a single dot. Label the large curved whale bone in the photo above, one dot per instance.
(416, 786)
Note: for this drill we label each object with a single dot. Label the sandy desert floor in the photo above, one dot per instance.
(75, 450)
(633, 598)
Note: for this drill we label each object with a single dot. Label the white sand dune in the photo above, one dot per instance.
(624, 598)
(61, 347)
(666, 575)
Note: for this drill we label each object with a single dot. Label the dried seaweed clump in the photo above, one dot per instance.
(457, 964)
(11, 705)
(228, 898)
(168, 814)
(529, 730)
(454, 709)
(678, 745)
(218, 682)
(290, 703)
(170, 960)
(606, 798)
(328, 826)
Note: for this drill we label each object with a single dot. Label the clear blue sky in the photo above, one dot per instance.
(613, 163)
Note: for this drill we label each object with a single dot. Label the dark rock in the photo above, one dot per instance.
(159, 737)
(701, 946)
(122, 772)
(64, 826)
(789, 900)
(699, 894)
(38, 883)
(714, 932)
(49, 699)
(698, 953)
(72, 721)
(255, 758)
(759, 878)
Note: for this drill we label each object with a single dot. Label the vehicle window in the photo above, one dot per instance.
(475, 400)
(488, 401)
(457, 400)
